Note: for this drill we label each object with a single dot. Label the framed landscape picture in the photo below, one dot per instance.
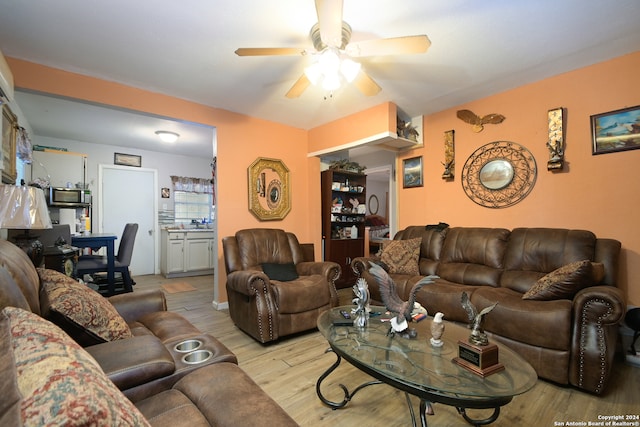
(617, 130)
(412, 172)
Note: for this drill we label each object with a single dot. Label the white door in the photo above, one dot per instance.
(128, 194)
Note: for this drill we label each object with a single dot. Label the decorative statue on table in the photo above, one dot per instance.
(393, 303)
(478, 336)
(361, 311)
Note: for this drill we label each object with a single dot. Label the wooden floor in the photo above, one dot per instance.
(288, 371)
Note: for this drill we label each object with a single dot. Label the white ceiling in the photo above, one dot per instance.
(186, 49)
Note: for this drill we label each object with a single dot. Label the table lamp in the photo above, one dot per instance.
(25, 208)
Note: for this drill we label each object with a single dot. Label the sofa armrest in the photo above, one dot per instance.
(133, 361)
(597, 313)
(248, 282)
(361, 264)
(328, 269)
(134, 305)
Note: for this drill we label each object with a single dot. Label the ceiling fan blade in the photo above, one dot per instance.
(298, 87)
(366, 85)
(393, 46)
(268, 51)
(330, 21)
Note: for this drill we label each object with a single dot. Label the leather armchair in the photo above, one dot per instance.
(268, 309)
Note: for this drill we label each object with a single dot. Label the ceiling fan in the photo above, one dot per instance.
(333, 53)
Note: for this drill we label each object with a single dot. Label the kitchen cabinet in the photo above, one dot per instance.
(343, 214)
(187, 252)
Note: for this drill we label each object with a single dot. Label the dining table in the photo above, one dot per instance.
(96, 241)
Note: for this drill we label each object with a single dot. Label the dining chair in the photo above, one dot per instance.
(93, 264)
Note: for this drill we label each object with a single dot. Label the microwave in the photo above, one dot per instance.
(69, 197)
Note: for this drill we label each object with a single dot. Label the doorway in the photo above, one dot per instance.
(129, 195)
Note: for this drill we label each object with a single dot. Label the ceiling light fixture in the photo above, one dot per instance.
(167, 136)
(329, 68)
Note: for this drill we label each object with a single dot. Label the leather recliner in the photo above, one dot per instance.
(268, 309)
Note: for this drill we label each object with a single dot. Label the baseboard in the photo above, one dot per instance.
(220, 305)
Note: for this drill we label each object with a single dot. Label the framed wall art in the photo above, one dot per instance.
(9, 131)
(617, 130)
(412, 172)
(127, 160)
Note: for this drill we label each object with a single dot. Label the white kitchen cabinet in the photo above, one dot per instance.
(187, 253)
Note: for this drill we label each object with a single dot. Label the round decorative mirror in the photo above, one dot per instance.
(496, 174)
(374, 205)
(499, 174)
(269, 195)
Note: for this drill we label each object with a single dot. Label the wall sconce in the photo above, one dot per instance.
(25, 208)
(167, 136)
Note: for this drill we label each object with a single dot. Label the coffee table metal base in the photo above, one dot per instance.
(425, 404)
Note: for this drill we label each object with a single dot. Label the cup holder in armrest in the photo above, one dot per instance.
(187, 346)
(197, 356)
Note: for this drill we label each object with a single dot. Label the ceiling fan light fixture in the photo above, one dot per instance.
(350, 69)
(313, 73)
(331, 82)
(167, 136)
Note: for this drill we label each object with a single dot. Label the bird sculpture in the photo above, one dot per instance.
(478, 122)
(477, 336)
(392, 301)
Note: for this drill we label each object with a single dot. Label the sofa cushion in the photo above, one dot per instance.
(303, 294)
(534, 252)
(545, 324)
(284, 272)
(401, 256)
(563, 282)
(59, 382)
(82, 308)
(11, 294)
(473, 256)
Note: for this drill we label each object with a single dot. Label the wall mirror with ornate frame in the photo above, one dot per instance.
(269, 189)
(499, 174)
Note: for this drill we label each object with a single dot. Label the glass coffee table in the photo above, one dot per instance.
(417, 368)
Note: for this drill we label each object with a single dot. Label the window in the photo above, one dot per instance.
(189, 206)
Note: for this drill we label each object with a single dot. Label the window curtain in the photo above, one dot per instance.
(192, 185)
(24, 149)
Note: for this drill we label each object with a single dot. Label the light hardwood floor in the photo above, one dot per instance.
(288, 371)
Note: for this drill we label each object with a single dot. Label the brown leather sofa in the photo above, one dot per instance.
(147, 367)
(291, 301)
(567, 341)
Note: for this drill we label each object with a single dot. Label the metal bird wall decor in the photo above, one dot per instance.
(478, 335)
(478, 122)
(392, 301)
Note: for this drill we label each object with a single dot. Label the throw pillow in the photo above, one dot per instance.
(562, 283)
(60, 383)
(402, 256)
(282, 272)
(83, 307)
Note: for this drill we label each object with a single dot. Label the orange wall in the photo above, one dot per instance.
(598, 193)
(355, 127)
(241, 139)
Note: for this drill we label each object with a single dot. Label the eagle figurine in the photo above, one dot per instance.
(390, 297)
(477, 336)
(478, 122)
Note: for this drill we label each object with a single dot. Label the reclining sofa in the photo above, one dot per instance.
(558, 304)
(71, 357)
